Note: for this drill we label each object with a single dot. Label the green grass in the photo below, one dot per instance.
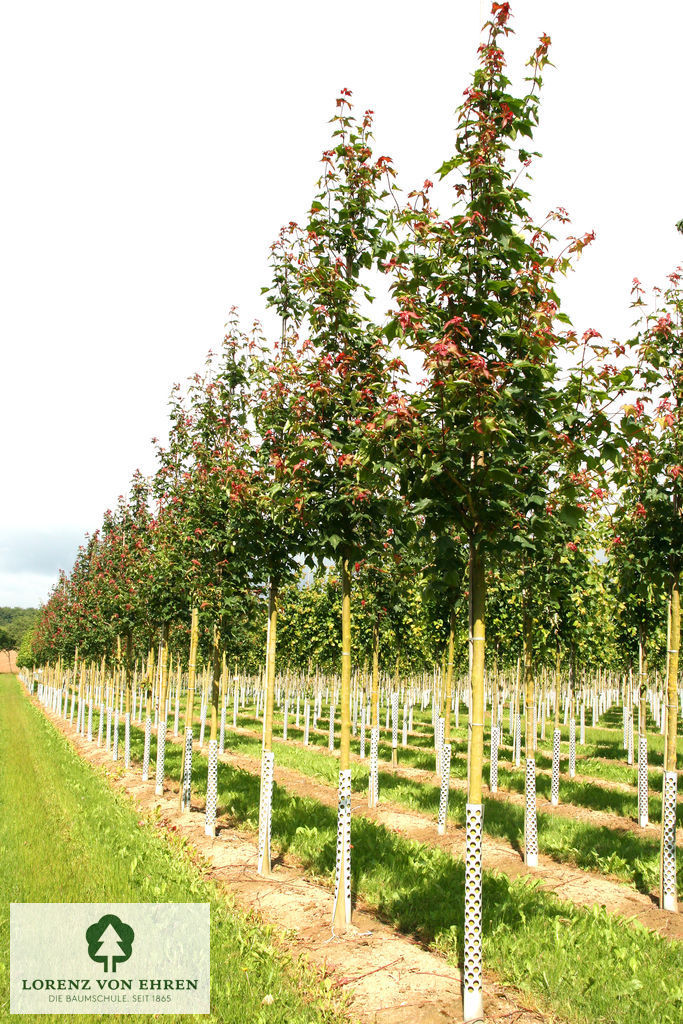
(626, 855)
(66, 837)
(587, 966)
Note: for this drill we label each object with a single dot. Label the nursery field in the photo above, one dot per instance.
(382, 656)
(579, 938)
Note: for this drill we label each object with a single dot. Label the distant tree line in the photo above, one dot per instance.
(16, 625)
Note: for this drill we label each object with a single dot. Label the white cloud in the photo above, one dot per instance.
(24, 590)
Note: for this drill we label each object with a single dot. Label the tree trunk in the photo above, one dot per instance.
(373, 779)
(375, 675)
(643, 795)
(186, 767)
(267, 757)
(449, 679)
(672, 675)
(342, 904)
(128, 668)
(161, 717)
(472, 970)
(530, 824)
(668, 892)
(212, 762)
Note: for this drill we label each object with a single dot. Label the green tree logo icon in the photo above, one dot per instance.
(110, 941)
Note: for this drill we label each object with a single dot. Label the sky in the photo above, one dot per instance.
(153, 150)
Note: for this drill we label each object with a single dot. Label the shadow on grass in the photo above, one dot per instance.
(623, 854)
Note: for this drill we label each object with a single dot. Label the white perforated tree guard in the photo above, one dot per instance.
(555, 782)
(404, 735)
(146, 749)
(373, 790)
(394, 721)
(668, 864)
(362, 734)
(530, 822)
(235, 708)
(307, 722)
(438, 743)
(211, 789)
(100, 726)
(285, 718)
(115, 744)
(643, 800)
(582, 731)
(629, 757)
(445, 787)
(342, 877)
(186, 781)
(126, 740)
(108, 728)
(473, 1003)
(493, 774)
(161, 757)
(90, 720)
(265, 811)
(572, 748)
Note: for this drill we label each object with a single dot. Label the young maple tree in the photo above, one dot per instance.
(651, 473)
(344, 379)
(476, 299)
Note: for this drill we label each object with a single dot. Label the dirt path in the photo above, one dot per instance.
(387, 977)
